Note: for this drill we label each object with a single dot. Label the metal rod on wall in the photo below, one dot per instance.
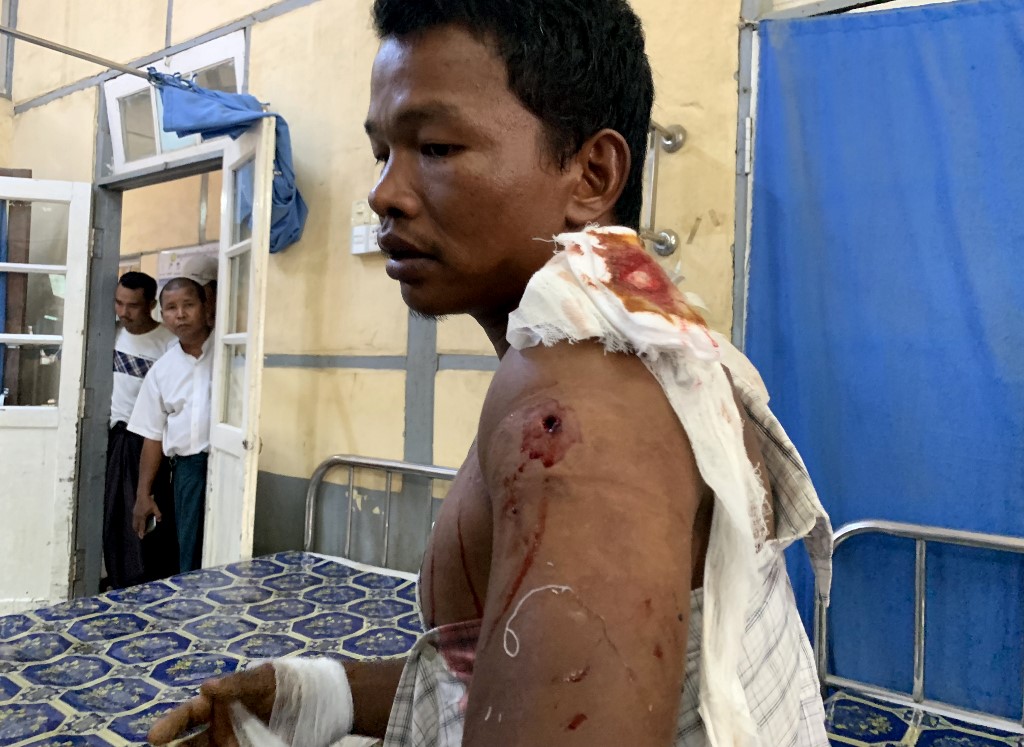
(673, 137)
(22, 36)
(669, 139)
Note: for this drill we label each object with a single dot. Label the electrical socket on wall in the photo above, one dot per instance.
(365, 225)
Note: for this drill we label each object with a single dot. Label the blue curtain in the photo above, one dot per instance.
(886, 312)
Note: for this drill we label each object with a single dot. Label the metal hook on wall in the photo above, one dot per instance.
(668, 139)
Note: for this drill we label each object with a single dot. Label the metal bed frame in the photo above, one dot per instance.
(921, 535)
(390, 468)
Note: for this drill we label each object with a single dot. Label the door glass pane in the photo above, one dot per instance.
(243, 186)
(29, 375)
(234, 385)
(137, 125)
(238, 319)
(219, 77)
(34, 232)
(168, 140)
(30, 304)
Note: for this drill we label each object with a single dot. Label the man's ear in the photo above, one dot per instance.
(603, 168)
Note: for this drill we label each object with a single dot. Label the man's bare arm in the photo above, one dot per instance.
(594, 493)
(373, 684)
(149, 465)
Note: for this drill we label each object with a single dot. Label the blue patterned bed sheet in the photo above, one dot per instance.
(98, 671)
(856, 720)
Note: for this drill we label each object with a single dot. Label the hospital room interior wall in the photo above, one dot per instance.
(326, 307)
(119, 30)
(57, 140)
(179, 214)
(6, 131)
(323, 301)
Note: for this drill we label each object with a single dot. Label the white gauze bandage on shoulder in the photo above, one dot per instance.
(312, 708)
(603, 286)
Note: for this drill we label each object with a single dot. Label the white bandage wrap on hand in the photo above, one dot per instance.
(312, 707)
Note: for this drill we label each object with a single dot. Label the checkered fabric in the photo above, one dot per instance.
(133, 365)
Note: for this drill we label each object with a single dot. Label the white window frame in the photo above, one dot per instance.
(228, 47)
(7, 18)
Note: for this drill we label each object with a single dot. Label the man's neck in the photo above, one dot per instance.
(145, 327)
(495, 326)
(194, 345)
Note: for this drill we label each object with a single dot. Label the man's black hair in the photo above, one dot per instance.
(179, 283)
(578, 65)
(139, 281)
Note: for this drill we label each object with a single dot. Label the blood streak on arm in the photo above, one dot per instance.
(549, 432)
(465, 566)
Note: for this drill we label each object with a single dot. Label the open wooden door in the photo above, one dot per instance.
(238, 357)
(44, 263)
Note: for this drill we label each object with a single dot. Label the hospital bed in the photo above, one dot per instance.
(97, 671)
(863, 713)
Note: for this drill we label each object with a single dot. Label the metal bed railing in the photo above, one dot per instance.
(922, 535)
(390, 468)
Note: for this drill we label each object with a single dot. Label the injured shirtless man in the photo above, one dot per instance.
(607, 568)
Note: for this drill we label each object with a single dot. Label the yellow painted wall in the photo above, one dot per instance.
(353, 412)
(161, 216)
(6, 131)
(119, 30)
(322, 299)
(461, 335)
(193, 18)
(693, 46)
(457, 403)
(57, 140)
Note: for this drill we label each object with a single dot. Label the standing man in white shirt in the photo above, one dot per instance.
(172, 414)
(139, 343)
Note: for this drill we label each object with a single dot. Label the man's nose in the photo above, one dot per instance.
(394, 194)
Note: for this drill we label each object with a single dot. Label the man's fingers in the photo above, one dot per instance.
(190, 714)
(244, 686)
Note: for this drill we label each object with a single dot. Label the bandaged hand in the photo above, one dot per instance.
(254, 689)
(289, 703)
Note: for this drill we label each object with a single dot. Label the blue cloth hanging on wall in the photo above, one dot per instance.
(886, 313)
(189, 109)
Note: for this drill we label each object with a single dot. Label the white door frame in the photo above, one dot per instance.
(50, 555)
(234, 435)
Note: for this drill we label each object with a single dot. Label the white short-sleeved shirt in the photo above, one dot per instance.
(174, 404)
(134, 355)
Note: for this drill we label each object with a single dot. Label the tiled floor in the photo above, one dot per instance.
(98, 671)
(858, 720)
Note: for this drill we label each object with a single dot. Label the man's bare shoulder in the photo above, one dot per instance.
(568, 394)
(584, 373)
